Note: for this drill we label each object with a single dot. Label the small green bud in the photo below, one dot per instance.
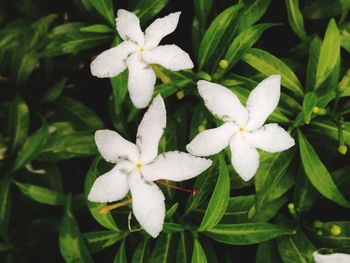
(319, 111)
(180, 95)
(319, 232)
(342, 149)
(204, 75)
(201, 128)
(223, 64)
(315, 109)
(291, 208)
(336, 230)
(317, 223)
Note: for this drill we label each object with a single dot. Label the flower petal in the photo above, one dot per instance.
(111, 186)
(270, 138)
(169, 56)
(151, 129)
(114, 147)
(128, 27)
(212, 141)
(262, 101)
(160, 28)
(112, 61)
(147, 204)
(332, 258)
(141, 81)
(222, 102)
(175, 166)
(244, 158)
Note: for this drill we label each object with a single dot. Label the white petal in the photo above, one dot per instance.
(160, 28)
(212, 141)
(111, 186)
(332, 258)
(112, 61)
(169, 56)
(151, 129)
(128, 27)
(262, 101)
(114, 147)
(244, 158)
(141, 81)
(147, 204)
(270, 138)
(222, 102)
(175, 166)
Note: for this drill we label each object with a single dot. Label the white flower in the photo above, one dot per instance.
(331, 258)
(243, 129)
(138, 165)
(138, 51)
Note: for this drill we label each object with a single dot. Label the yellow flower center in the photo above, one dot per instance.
(138, 165)
(141, 49)
(242, 130)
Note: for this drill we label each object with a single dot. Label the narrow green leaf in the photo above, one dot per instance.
(331, 130)
(120, 257)
(55, 91)
(219, 200)
(105, 8)
(269, 174)
(22, 65)
(32, 147)
(268, 65)
(202, 9)
(314, 53)
(295, 18)
(41, 194)
(182, 254)
(105, 220)
(78, 113)
(18, 123)
(98, 28)
(310, 101)
(171, 211)
(320, 9)
(267, 253)
(162, 252)
(198, 254)
(330, 51)
(252, 12)
(244, 234)
(147, 9)
(215, 33)
(100, 240)
(318, 173)
(71, 242)
(141, 254)
(5, 203)
(170, 228)
(297, 248)
(344, 37)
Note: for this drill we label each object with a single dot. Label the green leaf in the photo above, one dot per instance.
(297, 248)
(32, 147)
(147, 9)
(141, 254)
(329, 129)
(105, 220)
(268, 65)
(182, 254)
(22, 65)
(105, 8)
(98, 28)
(344, 37)
(71, 242)
(267, 253)
(5, 204)
(78, 113)
(320, 9)
(55, 91)
(295, 18)
(18, 123)
(198, 254)
(269, 174)
(120, 257)
(170, 228)
(329, 54)
(215, 33)
(100, 240)
(253, 11)
(314, 53)
(67, 146)
(41, 194)
(202, 9)
(245, 40)
(318, 173)
(219, 200)
(163, 249)
(245, 234)
(310, 101)
(171, 211)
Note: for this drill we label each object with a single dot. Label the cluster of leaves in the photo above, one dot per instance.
(51, 106)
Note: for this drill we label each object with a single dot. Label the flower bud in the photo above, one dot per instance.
(223, 64)
(342, 149)
(335, 230)
(204, 75)
(180, 95)
(201, 128)
(317, 223)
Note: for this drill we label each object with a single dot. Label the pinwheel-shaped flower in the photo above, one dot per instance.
(138, 51)
(137, 166)
(243, 129)
(331, 258)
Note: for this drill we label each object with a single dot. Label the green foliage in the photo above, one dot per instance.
(51, 106)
